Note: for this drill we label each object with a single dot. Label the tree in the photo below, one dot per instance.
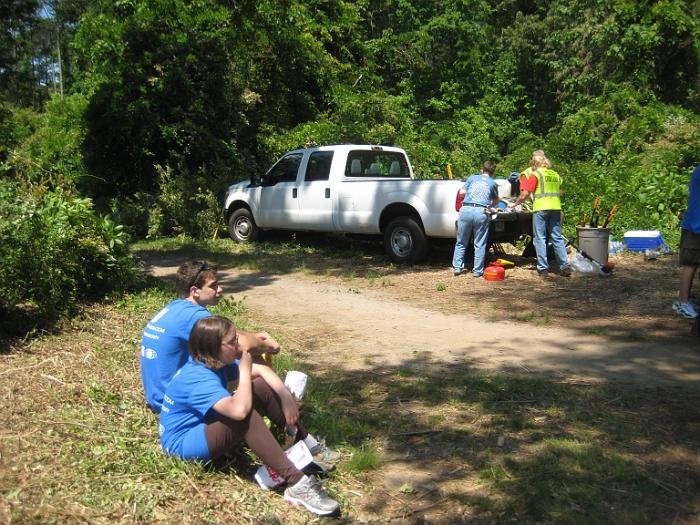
(158, 74)
(17, 76)
(595, 42)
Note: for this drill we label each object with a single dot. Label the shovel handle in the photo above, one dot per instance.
(611, 214)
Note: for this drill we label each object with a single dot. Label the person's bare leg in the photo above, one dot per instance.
(686, 282)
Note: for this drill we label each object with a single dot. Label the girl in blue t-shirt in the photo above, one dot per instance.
(200, 419)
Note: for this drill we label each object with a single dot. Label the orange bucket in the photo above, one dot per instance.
(494, 273)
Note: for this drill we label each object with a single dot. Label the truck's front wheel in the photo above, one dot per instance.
(405, 241)
(242, 227)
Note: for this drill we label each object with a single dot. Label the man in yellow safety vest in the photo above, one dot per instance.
(544, 185)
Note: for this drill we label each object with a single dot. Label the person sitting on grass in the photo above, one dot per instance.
(164, 347)
(201, 420)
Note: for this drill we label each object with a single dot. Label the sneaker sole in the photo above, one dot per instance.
(684, 314)
(300, 502)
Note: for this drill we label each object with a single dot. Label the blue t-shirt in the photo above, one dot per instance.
(191, 394)
(691, 219)
(480, 189)
(164, 347)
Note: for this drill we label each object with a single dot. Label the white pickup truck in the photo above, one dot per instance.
(352, 189)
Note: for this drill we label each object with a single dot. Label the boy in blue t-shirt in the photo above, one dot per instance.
(165, 337)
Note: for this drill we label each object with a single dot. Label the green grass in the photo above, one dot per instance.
(538, 451)
(363, 459)
(78, 445)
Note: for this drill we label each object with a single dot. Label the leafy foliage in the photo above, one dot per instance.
(172, 100)
(18, 22)
(55, 250)
(632, 150)
(50, 148)
(185, 205)
(158, 77)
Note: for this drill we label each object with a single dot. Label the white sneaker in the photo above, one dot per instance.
(309, 493)
(684, 309)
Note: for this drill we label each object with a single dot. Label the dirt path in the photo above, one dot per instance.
(338, 325)
(369, 321)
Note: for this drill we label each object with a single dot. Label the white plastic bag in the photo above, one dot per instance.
(580, 264)
(296, 383)
(298, 454)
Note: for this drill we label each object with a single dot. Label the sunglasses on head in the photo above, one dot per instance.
(203, 267)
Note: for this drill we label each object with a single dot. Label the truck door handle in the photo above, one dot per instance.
(328, 193)
(294, 193)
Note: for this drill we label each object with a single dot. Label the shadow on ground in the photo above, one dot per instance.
(460, 446)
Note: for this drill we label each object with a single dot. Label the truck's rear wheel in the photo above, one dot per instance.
(404, 241)
(242, 227)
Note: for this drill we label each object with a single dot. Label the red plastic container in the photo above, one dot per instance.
(494, 273)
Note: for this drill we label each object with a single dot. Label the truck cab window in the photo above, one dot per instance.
(377, 164)
(319, 166)
(285, 170)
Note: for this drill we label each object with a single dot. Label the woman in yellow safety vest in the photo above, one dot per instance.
(544, 185)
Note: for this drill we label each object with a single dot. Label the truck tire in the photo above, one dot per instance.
(404, 241)
(242, 227)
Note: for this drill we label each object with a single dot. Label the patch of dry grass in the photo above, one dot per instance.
(78, 446)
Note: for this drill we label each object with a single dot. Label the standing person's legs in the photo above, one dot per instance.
(539, 239)
(688, 259)
(223, 433)
(686, 282)
(557, 239)
(460, 243)
(481, 237)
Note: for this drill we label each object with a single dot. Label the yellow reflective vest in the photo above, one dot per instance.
(547, 195)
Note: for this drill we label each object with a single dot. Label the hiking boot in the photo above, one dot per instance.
(309, 493)
(684, 309)
(324, 457)
(565, 272)
(542, 274)
(457, 271)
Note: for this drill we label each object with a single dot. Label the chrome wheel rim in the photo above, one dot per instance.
(401, 242)
(242, 228)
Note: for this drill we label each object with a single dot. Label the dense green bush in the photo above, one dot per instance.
(188, 204)
(50, 145)
(15, 126)
(628, 149)
(55, 251)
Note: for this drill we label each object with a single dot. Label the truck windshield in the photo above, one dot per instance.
(386, 164)
(284, 171)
